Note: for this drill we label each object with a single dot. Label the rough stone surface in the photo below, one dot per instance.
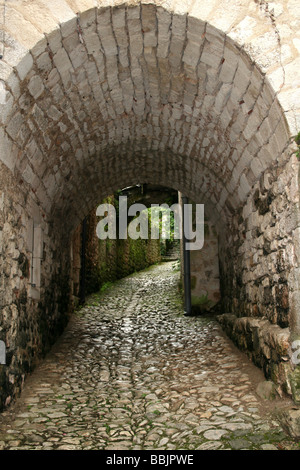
(200, 97)
(31, 319)
(291, 422)
(268, 346)
(131, 373)
(266, 390)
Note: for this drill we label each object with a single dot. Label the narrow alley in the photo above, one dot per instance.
(131, 372)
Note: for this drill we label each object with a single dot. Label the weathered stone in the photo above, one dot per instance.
(258, 337)
(291, 422)
(67, 387)
(295, 384)
(266, 390)
(214, 434)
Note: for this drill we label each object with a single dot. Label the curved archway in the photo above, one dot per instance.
(125, 93)
(97, 87)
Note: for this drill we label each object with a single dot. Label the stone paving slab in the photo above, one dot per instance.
(131, 372)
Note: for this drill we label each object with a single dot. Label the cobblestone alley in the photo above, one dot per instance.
(131, 372)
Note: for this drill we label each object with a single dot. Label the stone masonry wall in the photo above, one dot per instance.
(258, 267)
(31, 317)
(109, 260)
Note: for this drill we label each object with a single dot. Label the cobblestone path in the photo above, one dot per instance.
(131, 372)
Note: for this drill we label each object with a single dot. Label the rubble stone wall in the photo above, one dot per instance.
(259, 272)
(33, 315)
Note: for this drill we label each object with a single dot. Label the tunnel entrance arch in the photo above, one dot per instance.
(94, 98)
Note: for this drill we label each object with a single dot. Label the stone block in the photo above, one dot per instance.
(107, 40)
(149, 25)
(28, 33)
(242, 77)
(211, 56)
(54, 113)
(192, 53)
(36, 86)
(164, 32)
(176, 48)
(92, 43)
(6, 104)
(135, 37)
(87, 20)
(78, 57)
(62, 61)
(68, 27)
(28, 174)
(222, 97)
(24, 66)
(14, 125)
(44, 63)
(227, 72)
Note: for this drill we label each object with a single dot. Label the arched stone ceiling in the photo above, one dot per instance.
(96, 97)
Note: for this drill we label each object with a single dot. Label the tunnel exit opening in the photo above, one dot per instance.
(111, 251)
(163, 237)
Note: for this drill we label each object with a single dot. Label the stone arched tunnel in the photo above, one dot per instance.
(202, 97)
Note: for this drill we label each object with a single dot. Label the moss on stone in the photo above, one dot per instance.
(295, 385)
